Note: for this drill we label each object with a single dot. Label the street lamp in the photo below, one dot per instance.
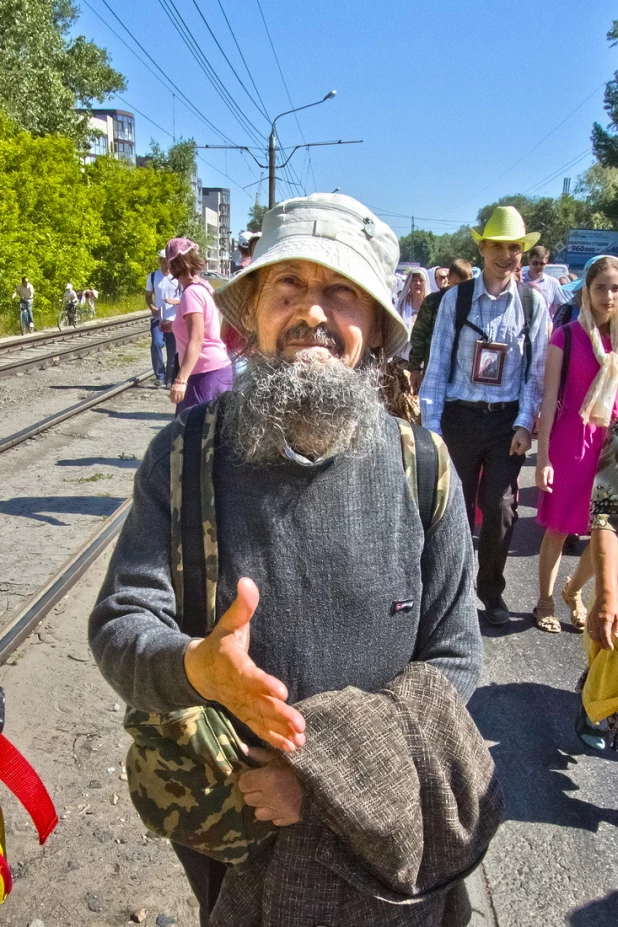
(272, 147)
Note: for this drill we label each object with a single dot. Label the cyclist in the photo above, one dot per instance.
(25, 292)
(87, 298)
(70, 300)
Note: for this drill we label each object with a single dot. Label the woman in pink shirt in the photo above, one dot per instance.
(205, 368)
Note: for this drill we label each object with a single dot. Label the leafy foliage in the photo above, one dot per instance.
(100, 225)
(605, 141)
(256, 215)
(45, 74)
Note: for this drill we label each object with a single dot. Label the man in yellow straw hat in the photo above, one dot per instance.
(483, 389)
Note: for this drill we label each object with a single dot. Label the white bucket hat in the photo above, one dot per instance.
(335, 231)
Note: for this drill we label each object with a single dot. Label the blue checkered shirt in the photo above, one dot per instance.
(502, 319)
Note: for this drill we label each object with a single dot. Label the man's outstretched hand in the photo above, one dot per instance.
(220, 669)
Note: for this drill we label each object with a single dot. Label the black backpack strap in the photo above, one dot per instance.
(566, 359)
(193, 561)
(465, 292)
(152, 276)
(426, 474)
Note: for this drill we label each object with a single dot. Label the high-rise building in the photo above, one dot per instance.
(216, 203)
(118, 138)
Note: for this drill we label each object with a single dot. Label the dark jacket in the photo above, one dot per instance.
(422, 331)
(402, 802)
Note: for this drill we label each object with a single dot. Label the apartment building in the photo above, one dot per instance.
(118, 138)
(216, 213)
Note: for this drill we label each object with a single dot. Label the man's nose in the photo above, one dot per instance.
(312, 312)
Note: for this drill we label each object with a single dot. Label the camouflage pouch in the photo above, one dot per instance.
(183, 766)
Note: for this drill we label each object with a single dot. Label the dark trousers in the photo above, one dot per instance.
(158, 339)
(479, 444)
(205, 877)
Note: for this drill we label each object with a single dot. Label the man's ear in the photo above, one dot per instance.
(376, 335)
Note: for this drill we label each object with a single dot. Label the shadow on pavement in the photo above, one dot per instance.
(602, 913)
(39, 508)
(125, 463)
(520, 621)
(536, 747)
(137, 416)
(95, 388)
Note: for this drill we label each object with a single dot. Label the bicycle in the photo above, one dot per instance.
(69, 316)
(24, 317)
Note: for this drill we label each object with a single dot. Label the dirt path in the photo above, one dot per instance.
(99, 867)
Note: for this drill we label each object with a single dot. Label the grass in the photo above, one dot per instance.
(47, 318)
(95, 478)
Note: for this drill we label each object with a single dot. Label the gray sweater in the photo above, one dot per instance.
(331, 549)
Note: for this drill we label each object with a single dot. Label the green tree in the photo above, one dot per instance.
(180, 159)
(140, 208)
(452, 245)
(605, 141)
(256, 215)
(598, 186)
(45, 74)
(418, 246)
(48, 225)
(552, 217)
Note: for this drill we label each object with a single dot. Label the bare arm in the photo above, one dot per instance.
(195, 328)
(553, 368)
(603, 617)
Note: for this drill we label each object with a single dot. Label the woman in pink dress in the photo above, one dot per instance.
(205, 368)
(571, 434)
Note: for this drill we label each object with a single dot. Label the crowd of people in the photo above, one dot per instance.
(290, 609)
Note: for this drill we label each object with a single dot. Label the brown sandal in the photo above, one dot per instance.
(576, 606)
(544, 616)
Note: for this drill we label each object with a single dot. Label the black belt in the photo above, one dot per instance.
(486, 406)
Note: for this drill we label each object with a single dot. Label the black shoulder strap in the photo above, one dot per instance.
(465, 292)
(152, 276)
(566, 358)
(192, 531)
(426, 474)
(527, 302)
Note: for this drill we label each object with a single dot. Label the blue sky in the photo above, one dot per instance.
(447, 96)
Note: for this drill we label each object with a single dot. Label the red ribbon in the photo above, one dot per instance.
(19, 776)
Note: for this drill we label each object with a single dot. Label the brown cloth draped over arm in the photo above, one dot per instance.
(401, 803)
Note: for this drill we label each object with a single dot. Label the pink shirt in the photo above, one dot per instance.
(198, 298)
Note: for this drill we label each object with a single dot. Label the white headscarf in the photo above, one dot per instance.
(404, 306)
(599, 402)
(432, 278)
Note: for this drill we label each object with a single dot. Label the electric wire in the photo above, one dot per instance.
(558, 172)
(260, 108)
(192, 45)
(192, 107)
(243, 59)
(538, 144)
(167, 132)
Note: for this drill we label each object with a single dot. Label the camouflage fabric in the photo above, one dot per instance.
(422, 331)
(408, 450)
(397, 393)
(183, 766)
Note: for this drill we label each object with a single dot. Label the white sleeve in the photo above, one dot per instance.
(149, 286)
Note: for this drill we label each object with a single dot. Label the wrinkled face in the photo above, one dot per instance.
(604, 295)
(302, 306)
(537, 265)
(441, 275)
(501, 258)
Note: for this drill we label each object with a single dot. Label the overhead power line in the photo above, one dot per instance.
(192, 107)
(243, 60)
(556, 173)
(260, 108)
(538, 144)
(193, 46)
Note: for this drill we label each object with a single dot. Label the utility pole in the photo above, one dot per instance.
(412, 231)
(272, 165)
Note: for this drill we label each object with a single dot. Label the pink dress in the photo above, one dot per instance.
(574, 448)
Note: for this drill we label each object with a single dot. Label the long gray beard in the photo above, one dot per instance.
(317, 408)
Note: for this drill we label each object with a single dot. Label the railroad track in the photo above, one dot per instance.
(23, 621)
(36, 352)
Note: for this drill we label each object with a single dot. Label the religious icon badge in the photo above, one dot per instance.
(488, 362)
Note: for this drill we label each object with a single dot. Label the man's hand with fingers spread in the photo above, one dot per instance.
(273, 791)
(220, 669)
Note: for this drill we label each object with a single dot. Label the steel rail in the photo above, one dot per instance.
(20, 436)
(26, 618)
(79, 350)
(25, 341)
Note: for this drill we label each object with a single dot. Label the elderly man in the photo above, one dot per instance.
(487, 421)
(324, 624)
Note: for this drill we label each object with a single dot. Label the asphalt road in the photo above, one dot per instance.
(555, 859)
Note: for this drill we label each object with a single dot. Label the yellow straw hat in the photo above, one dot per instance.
(506, 224)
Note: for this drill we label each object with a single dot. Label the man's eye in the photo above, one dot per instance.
(289, 281)
(344, 289)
